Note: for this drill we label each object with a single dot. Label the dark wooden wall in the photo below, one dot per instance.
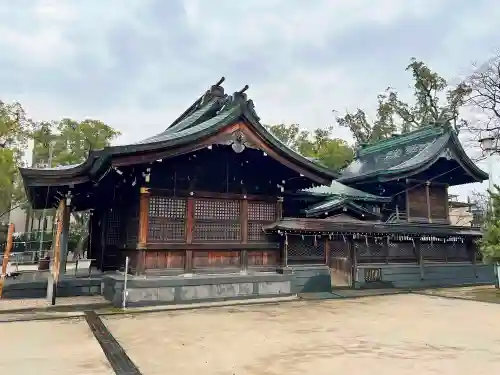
(427, 203)
(207, 231)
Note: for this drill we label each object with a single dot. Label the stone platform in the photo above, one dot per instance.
(184, 289)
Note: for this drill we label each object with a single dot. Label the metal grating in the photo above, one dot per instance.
(433, 250)
(339, 248)
(401, 251)
(307, 247)
(172, 208)
(261, 211)
(217, 209)
(373, 275)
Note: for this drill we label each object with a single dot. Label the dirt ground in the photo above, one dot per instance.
(398, 334)
(51, 347)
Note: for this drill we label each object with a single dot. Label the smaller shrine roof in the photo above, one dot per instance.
(334, 204)
(339, 190)
(405, 154)
(325, 227)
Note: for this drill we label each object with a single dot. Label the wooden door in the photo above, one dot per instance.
(340, 263)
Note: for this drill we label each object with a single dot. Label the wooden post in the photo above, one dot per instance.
(244, 234)
(407, 197)
(56, 257)
(354, 260)
(279, 208)
(143, 229)
(327, 251)
(447, 205)
(418, 252)
(66, 215)
(188, 265)
(428, 200)
(6, 254)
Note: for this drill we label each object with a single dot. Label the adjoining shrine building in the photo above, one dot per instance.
(217, 199)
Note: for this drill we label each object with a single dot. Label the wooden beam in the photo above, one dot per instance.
(422, 182)
(222, 246)
(210, 195)
(6, 254)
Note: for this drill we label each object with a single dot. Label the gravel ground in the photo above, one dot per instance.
(398, 334)
(51, 347)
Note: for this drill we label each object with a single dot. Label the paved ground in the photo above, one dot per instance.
(51, 347)
(396, 334)
(399, 334)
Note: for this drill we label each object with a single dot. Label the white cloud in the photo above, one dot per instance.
(137, 63)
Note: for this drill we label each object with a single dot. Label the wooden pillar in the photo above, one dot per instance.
(354, 260)
(244, 234)
(418, 252)
(447, 205)
(102, 239)
(188, 265)
(428, 201)
(56, 257)
(284, 261)
(279, 208)
(143, 229)
(407, 198)
(327, 251)
(6, 254)
(66, 215)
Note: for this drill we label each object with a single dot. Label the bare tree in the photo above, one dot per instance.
(484, 100)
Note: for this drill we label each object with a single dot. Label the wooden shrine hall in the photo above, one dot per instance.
(216, 193)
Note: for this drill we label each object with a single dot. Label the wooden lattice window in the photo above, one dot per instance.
(217, 220)
(259, 214)
(216, 209)
(113, 227)
(167, 219)
(171, 208)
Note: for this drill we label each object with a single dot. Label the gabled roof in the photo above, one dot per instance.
(403, 155)
(202, 121)
(339, 190)
(333, 205)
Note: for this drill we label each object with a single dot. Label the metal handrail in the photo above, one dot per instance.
(396, 216)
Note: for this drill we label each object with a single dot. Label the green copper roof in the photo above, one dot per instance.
(331, 205)
(402, 155)
(339, 190)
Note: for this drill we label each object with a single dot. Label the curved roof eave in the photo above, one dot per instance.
(285, 150)
(65, 171)
(398, 171)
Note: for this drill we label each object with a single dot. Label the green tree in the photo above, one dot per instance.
(435, 102)
(15, 129)
(318, 145)
(69, 141)
(490, 243)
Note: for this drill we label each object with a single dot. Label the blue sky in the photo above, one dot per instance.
(136, 64)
